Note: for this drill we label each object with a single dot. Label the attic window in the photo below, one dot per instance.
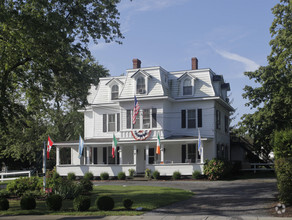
(115, 92)
(187, 87)
(141, 85)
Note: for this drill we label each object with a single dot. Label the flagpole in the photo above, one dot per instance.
(44, 166)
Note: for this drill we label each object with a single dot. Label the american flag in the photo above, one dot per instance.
(135, 110)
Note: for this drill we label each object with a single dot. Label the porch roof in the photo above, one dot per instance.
(108, 141)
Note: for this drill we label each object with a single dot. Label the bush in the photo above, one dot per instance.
(27, 203)
(88, 176)
(283, 144)
(104, 176)
(216, 169)
(71, 176)
(148, 173)
(283, 167)
(56, 175)
(23, 184)
(128, 203)
(121, 176)
(105, 203)
(156, 175)
(176, 175)
(54, 202)
(131, 173)
(4, 204)
(4, 193)
(81, 203)
(86, 185)
(68, 189)
(196, 175)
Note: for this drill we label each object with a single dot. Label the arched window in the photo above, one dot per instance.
(141, 85)
(187, 87)
(115, 92)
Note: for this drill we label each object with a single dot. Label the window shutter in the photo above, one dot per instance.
(104, 123)
(129, 119)
(154, 118)
(200, 118)
(183, 118)
(118, 122)
(183, 153)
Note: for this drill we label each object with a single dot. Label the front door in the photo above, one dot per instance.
(141, 160)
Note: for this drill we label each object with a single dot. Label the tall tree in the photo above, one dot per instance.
(45, 65)
(272, 99)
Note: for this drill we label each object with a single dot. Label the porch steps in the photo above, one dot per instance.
(140, 177)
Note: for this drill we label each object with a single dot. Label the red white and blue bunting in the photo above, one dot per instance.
(141, 134)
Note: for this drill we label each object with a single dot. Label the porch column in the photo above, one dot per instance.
(202, 154)
(57, 156)
(147, 154)
(162, 153)
(135, 154)
(87, 155)
(121, 155)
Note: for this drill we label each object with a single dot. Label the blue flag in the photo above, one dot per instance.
(81, 144)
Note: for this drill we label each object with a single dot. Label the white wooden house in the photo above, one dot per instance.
(174, 105)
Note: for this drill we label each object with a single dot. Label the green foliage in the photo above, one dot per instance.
(176, 175)
(131, 173)
(54, 202)
(81, 203)
(4, 204)
(68, 189)
(71, 176)
(23, 184)
(196, 175)
(86, 185)
(216, 169)
(148, 173)
(4, 193)
(156, 175)
(128, 203)
(121, 176)
(88, 176)
(27, 203)
(283, 143)
(283, 168)
(104, 176)
(105, 203)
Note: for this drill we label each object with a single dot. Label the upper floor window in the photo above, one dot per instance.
(141, 85)
(187, 87)
(111, 122)
(191, 118)
(146, 118)
(115, 92)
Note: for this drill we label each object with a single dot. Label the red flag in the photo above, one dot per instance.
(49, 146)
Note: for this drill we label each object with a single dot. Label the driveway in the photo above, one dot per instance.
(252, 197)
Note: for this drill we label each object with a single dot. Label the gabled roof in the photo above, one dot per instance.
(114, 80)
(141, 72)
(186, 74)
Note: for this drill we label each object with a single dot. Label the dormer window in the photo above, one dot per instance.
(141, 85)
(187, 87)
(115, 92)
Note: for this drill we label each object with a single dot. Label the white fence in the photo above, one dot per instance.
(15, 174)
(260, 167)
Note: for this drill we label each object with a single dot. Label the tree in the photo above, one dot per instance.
(46, 67)
(272, 99)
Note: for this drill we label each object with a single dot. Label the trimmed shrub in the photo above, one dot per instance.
(148, 173)
(156, 175)
(4, 193)
(71, 176)
(131, 173)
(81, 203)
(54, 202)
(27, 203)
(176, 175)
(196, 175)
(283, 167)
(216, 169)
(105, 203)
(121, 176)
(87, 185)
(4, 204)
(128, 203)
(104, 176)
(23, 184)
(88, 176)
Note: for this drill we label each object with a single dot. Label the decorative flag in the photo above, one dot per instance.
(135, 110)
(199, 143)
(114, 145)
(81, 145)
(158, 145)
(49, 146)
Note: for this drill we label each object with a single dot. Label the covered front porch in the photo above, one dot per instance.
(177, 154)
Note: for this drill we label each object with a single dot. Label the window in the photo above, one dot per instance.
(192, 153)
(151, 155)
(218, 119)
(154, 118)
(141, 85)
(65, 155)
(191, 118)
(111, 122)
(146, 118)
(129, 119)
(200, 118)
(187, 87)
(115, 92)
(226, 120)
(137, 124)
(183, 118)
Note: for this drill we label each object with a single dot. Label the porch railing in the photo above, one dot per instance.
(260, 167)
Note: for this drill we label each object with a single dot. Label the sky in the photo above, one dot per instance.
(227, 36)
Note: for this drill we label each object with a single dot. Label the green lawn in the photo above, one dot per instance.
(146, 197)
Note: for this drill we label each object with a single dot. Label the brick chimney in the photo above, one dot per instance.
(194, 63)
(136, 63)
